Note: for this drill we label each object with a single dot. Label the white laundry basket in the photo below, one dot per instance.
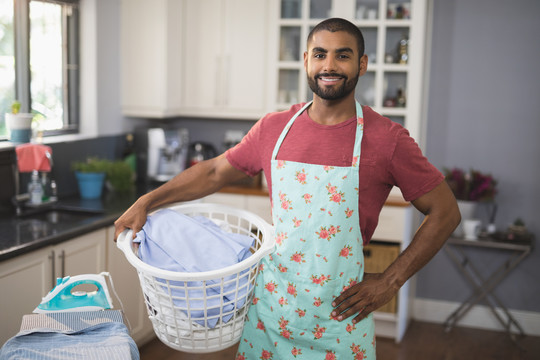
(170, 296)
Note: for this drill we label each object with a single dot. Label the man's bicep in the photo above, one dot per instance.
(226, 172)
(440, 199)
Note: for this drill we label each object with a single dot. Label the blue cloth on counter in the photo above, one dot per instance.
(105, 341)
(176, 242)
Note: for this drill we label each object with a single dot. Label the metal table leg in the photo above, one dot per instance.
(483, 288)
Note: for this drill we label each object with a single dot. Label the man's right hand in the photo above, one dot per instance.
(134, 218)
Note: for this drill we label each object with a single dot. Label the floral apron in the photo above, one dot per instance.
(318, 255)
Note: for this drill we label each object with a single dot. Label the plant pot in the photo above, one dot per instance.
(90, 184)
(19, 127)
(468, 211)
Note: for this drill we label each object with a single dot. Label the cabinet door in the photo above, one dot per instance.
(260, 205)
(225, 59)
(127, 286)
(24, 280)
(202, 55)
(245, 57)
(82, 255)
(151, 53)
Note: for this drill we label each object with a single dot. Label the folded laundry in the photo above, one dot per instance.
(176, 242)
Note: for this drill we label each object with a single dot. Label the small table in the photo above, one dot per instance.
(484, 287)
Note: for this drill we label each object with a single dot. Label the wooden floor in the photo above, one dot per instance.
(422, 341)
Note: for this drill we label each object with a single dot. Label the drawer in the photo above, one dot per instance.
(377, 257)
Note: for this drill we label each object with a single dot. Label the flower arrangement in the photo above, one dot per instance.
(472, 185)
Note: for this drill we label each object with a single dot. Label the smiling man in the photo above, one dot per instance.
(329, 165)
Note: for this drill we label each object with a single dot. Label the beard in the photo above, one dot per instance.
(342, 91)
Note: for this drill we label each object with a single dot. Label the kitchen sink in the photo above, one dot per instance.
(56, 216)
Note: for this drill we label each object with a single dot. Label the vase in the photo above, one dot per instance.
(90, 184)
(468, 211)
(19, 127)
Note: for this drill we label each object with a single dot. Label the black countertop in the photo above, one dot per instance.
(70, 217)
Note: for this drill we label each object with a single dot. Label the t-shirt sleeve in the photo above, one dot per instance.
(245, 156)
(411, 170)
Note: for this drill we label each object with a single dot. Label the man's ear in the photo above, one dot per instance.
(363, 65)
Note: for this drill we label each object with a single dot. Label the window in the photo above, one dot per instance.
(39, 62)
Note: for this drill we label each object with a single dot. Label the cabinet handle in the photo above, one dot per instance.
(226, 75)
(53, 272)
(218, 71)
(63, 263)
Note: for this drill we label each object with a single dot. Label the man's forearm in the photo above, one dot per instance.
(193, 183)
(437, 226)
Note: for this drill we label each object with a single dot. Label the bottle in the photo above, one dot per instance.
(197, 155)
(128, 155)
(54, 192)
(35, 189)
(45, 186)
(401, 101)
(403, 50)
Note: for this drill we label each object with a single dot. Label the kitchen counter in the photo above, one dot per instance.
(69, 218)
(74, 217)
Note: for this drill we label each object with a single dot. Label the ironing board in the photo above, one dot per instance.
(70, 321)
(73, 335)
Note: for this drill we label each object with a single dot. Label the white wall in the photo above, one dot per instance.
(100, 69)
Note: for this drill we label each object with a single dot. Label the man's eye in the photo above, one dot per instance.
(319, 56)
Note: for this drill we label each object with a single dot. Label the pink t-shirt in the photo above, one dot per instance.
(389, 156)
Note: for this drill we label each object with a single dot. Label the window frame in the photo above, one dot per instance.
(70, 61)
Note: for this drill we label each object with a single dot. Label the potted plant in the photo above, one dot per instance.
(120, 176)
(19, 125)
(470, 188)
(92, 174)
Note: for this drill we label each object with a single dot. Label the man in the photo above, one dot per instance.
(330, 165)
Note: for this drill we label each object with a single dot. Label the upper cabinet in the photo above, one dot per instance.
(395, 39)
(151, 54)
(239, 59)
(195, 58)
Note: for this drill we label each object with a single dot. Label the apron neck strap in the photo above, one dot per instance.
(358, 138)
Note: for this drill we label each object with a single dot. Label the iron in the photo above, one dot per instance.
(65, 298)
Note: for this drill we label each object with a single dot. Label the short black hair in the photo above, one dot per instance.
(339, 24)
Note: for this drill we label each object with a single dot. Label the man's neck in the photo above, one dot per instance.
(332, 112)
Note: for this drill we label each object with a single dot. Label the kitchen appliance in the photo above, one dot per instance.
(200, 151)
(162, 153)
(69, 295)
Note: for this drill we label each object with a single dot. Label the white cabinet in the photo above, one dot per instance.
(225, 63)
(383, 31)
(25, 279)
(127, 287)
(194, 58)
(395, 227)
(151, 51)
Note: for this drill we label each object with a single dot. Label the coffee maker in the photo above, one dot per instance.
(161, 154)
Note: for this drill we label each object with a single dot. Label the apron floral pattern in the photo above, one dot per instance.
(318, 255)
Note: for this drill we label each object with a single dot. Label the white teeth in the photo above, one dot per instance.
(330, 79)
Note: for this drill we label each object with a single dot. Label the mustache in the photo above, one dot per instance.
(331, 75)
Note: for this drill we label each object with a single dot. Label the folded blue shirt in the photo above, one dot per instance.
(176, 242)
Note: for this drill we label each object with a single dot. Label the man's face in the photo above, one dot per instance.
(333, 65)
